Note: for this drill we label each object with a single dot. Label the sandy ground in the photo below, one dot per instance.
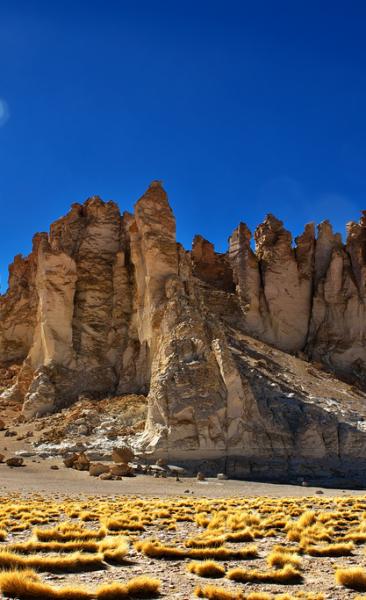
(39, 477)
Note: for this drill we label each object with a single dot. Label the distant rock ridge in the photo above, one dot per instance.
(109, 303)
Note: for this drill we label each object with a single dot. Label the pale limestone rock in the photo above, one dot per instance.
(109, 304)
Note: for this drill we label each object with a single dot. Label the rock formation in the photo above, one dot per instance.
(111, 304)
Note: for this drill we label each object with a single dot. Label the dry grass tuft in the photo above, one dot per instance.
(115, 554)
(287, 575)
(35, 546)
(352, 577)
(68, 533)
(56, 564)
(157, 550)
(217, 593)
(207, 568)
(123, 525)
(139, 587)
(25, 585)
(279, 559)
(342, 549)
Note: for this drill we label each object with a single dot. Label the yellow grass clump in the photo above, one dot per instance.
(26, 585)
(115, 554)
(341, 549)
(207, 568)
(352, 577)
(71, 563)
(34, 546)
(139, 587)
(68, 532)
(217, 593)
(287, 575)
(123, 525)
(279, 559)
(157, 550)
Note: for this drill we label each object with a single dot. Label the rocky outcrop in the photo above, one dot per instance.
(111, 304)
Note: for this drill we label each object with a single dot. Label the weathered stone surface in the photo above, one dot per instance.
(109, 305)
(120, 470)
(15, 461)
(96, 469)
(122, 454)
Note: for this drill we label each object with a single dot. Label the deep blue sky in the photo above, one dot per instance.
(241, 108)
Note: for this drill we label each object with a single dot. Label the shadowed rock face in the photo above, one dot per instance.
(111, 304)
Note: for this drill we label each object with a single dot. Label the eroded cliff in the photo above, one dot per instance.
(111, 304)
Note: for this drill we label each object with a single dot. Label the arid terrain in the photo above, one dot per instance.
(269, 530)
(79, 546)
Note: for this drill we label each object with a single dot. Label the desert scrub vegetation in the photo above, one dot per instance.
(26, 585)
(287, 575)
(353, 578)
(279, 558)
(212, 592)
(285, 539)
(206, 568)
(158, 550)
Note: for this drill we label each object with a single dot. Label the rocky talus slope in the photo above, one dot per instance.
(252, 360)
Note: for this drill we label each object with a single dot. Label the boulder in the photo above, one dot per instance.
(15, 461)
(2, 425)
(69, 461)
(82, 462)
(122, 454)
(96, 469)
(120, 470)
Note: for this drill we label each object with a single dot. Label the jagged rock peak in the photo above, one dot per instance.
(272, 239)
(108, 304)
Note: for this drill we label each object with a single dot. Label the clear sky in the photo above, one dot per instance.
(240, 107)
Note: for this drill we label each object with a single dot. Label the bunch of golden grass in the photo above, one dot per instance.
(26, 585)
(71, 533)
(123, 525)
(157, 550)
(356, 537)
(287, 549)
(115, 554)
(3, 535)
(244, 535)
(139, 587)
(287, 575)
(352, 577)
(217, 593)
(207, 568)
(205, 542)
(74, 562)
(32, 546)
(279, 559)
(341, 549)
(212, 592)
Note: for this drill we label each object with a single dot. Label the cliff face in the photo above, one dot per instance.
(111, 304)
